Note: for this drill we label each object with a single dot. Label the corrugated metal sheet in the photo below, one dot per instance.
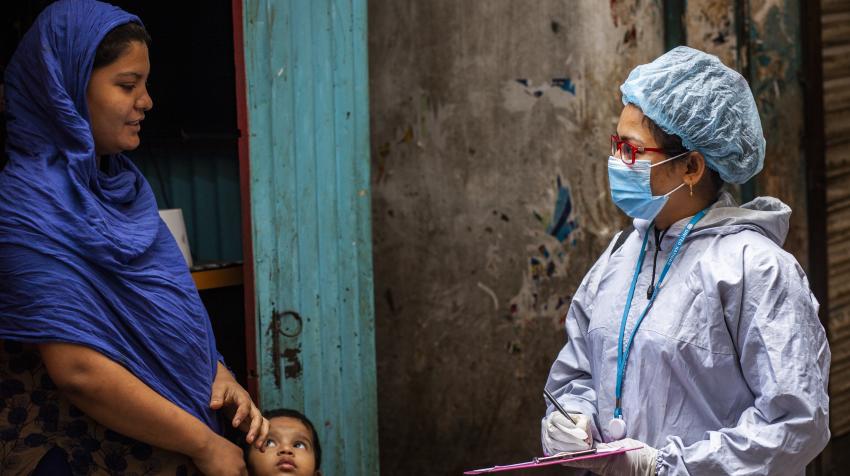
(836, 89)
(306, 70)
(203, 180)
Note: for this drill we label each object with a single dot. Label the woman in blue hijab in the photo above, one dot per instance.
(108, 357)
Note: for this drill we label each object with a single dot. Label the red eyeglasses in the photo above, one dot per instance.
(628, 152)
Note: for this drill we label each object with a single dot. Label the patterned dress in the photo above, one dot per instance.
(35, 417)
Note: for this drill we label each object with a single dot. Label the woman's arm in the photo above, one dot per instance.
(570, 379)
(117, 399)
(784, 357)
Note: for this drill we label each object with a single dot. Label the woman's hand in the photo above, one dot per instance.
(220, 457)
(230, 397)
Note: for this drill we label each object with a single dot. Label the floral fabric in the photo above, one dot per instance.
(34, 417)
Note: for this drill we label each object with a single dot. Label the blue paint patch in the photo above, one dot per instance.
(764, 60)
(562, 226)
(566, 84)
(536, 268)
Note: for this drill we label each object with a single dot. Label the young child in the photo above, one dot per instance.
(292, 447)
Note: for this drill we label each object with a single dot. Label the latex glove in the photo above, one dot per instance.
(640, 462)
(558, 434)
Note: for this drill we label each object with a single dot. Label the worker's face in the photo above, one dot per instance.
(117, 98)
(632, 129)
(289, 450)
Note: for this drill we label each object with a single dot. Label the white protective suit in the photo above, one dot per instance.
(728, 372)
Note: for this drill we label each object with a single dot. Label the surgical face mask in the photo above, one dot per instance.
(630, 187)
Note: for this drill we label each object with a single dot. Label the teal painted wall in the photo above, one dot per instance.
(307, 81)
(202, 180)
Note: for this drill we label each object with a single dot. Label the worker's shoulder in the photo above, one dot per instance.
(754, 249)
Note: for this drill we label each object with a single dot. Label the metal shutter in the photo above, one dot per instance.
(836, 90)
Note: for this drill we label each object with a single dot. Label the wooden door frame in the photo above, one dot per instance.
(814, 148)
(252, 375)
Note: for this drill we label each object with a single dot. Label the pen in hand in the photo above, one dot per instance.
(558, 405)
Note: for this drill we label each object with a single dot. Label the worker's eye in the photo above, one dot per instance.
(270, 443)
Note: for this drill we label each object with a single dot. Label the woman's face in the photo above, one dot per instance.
(117, 98)
(632, 128)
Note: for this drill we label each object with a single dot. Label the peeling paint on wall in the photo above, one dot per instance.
(760, 9)
(292, 369)
(775, 56)
(566, 84)
(539, 296)
(548, 261)
(562, 225)
(624, 16)
(775, 66)
(521, 94)
(770, 58)
(710, 26)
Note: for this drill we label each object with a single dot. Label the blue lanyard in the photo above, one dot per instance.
(623, 355)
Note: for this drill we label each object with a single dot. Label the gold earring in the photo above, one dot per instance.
(692, 188)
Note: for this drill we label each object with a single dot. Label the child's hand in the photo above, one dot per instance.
(230, 397)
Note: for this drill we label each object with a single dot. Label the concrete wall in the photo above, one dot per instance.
(490, 129)
(773, 65)
(762, 40)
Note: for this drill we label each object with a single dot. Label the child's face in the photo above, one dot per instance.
(289, 450)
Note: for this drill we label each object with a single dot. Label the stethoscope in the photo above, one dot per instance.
(617, 425)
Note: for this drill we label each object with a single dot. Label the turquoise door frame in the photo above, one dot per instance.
(306, 79)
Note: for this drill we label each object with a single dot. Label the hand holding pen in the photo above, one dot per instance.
(558, 405)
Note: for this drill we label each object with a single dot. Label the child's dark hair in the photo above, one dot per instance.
(115, 43)
(290, 413)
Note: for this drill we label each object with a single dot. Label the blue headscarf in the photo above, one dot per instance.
(84, 256)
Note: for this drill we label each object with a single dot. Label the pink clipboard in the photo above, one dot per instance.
(533, 464)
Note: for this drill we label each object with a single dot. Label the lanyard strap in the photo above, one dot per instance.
(623, 354)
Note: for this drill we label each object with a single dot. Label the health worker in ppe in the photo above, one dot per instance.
(694, 335)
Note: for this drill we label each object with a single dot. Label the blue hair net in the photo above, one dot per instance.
(710, 106)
